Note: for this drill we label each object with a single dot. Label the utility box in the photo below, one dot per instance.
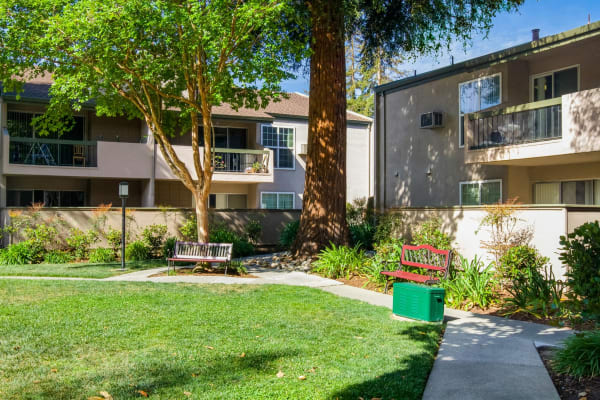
(421, 302)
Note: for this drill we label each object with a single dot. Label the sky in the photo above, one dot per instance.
(509, 29)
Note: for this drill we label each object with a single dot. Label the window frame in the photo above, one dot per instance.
(595, 181)
(461, 133)
(533, 77)
(293, 148)
(59, 191)
(480, 182)
(278, 193)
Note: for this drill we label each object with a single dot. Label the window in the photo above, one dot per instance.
(50, 198)
(281, 141)
(231, 201)
(567, 192)
(480, 192)
(277, 200)
(226, 138)
(477, 95)
(555, 83)
(19, 125)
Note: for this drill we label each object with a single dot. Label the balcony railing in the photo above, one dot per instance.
(529, 122)
(241, 160)
(52, 152)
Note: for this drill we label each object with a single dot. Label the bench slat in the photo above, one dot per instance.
(410, 276)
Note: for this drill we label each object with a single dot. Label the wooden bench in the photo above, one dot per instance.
(423, 256)
(201, 252)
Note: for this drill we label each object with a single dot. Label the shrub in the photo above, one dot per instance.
(57, 257)
(581, 355)
(136, 251)
(581, 252)
(154, 236)
(79, 242)
(471, 285)
(189, 229)
(535, 291)
(168, 248)
(362, 235)
(518, 260)
(19, 253)
(241, 246)
(337, 261)
(253, 231)
(238, 267)
(289, 233)
(389, 226)
(102, 255)
(359, 211)
(502, 224)
(430, 232)
(44, 236)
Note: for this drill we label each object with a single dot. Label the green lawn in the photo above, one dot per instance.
(73, 339)
(78, 270)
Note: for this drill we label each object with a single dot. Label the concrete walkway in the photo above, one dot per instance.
(481, 357)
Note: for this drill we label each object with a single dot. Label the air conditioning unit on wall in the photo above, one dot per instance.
(303, 149)
(433, 119)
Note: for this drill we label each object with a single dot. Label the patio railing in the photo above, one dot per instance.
(52, 152)
(525, 123)
(241, 160)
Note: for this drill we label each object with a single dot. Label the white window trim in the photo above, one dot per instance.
(293, 148)
(460, 114)
(551, 72)
(278, 193)
(460, 184)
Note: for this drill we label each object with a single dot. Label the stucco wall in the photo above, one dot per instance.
(404, 152)
(272, 221)
(463, 226)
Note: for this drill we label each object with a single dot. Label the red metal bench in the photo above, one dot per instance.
(423, 256)
(201, 252)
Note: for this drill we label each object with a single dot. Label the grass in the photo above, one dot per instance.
(73, 339)
(78, 270)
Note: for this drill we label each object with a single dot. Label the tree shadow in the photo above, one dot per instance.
(153, 374)
(409, 379)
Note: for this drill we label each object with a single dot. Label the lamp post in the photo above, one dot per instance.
(123, 194)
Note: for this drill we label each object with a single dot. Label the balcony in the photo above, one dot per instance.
(52, 152)
(526, 123)
(554, 131)
(229, 165)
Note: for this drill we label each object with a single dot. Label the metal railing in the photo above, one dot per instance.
(515, 125)
(241, 160)
(52, 152)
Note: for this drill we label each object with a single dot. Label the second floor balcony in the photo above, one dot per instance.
(562, 129)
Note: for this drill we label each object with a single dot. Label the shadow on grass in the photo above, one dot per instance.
(158, 372)
(409, 380)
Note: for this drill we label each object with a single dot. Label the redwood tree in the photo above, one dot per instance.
(410, 27)
(323, 218)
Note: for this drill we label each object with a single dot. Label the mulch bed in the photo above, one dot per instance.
(568, 387)
(182, 271)
(363, 283)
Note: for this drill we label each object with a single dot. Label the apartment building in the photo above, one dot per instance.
(260, 157)
(522, 122)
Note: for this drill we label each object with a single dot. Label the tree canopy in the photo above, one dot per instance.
(165, 61)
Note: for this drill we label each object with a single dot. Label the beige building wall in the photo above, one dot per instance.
(423, 167)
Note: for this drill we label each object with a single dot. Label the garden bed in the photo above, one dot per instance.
(568, 387)
(189, 271)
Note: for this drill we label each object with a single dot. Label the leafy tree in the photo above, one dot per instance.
(388, 28)
(361, 78)
(167, 62)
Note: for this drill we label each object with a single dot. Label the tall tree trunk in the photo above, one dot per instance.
(323, 218)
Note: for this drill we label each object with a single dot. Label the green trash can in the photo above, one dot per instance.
(421, 302)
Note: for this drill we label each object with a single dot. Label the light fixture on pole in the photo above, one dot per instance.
(123, 194)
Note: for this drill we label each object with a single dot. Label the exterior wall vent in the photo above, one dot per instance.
(432, 120)
(303, 149)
